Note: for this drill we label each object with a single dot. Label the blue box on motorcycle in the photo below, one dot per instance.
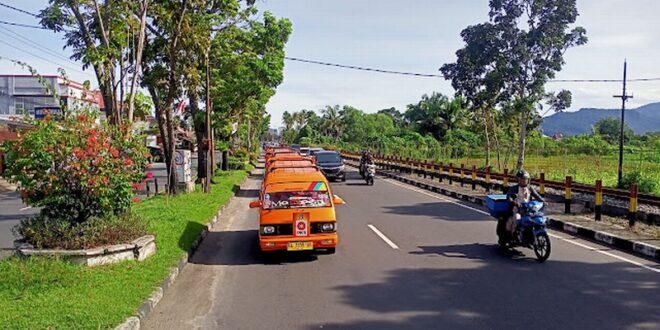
(497, 204)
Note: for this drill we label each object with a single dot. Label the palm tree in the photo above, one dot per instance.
(332, 120)
(288, 120)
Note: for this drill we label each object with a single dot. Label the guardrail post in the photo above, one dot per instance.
(505, 180)
(542, 183)
(632, 211)
(598, 198)
(432, 174)
(440, 171)
(156, 185)
(567, 196)
(451, 173)
(462, 174)
(419, 167)
(146, 183)
(474, 177)
(426, 168)
(488, 179)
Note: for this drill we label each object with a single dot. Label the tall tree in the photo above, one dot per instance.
(107, 35)
(525, 41)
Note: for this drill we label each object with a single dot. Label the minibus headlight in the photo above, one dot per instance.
(328, 226)
(268, 230)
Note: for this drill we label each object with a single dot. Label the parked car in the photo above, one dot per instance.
(304, 151)
(313, 151)
(331, 164)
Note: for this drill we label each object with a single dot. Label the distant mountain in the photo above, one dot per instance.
(642, 120)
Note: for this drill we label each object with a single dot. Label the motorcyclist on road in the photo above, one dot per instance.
(519, 194)
(365, 159)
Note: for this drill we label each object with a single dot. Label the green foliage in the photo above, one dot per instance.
(44, 232)
(76, 170)
(646, 183)
(610, 129)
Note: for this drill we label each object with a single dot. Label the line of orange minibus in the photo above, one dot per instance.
(296, 205)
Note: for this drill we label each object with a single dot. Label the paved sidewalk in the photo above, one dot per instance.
(611, 231)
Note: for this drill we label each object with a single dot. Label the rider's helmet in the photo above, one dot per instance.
(523, 177)
(522, 174)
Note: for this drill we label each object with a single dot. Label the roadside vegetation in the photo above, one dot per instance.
(43, 293)
(450, 134)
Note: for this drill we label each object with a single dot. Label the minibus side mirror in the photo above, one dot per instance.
(338, 200)
(255, 204)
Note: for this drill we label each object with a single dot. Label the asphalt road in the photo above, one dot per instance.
(12, 210)
(440, 269)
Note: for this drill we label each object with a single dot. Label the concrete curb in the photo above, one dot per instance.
(134, 322)
(635, 247)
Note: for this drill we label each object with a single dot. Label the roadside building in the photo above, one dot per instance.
(26, 94)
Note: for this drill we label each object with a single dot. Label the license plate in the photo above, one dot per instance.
(299, 246)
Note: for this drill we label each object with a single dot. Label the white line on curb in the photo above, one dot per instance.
(25, 208)
(567, 240)
(383, 237)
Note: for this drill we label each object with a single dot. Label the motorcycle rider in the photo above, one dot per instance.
(519, 194)
(365, 159)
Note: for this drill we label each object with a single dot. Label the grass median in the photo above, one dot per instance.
(39, 293)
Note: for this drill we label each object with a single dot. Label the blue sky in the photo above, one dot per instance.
(417, 36)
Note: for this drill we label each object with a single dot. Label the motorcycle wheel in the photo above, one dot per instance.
(370, 181)
(542, 247)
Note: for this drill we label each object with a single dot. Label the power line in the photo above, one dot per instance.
(42, 58)
(24, 25)
(415, 74)
(364, 68)
(18, 9)
(33, 44)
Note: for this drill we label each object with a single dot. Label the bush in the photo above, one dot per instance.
(645, 183)
(235, 163)
(78, 171)
(44, 232)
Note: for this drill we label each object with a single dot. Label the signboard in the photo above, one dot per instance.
(183, 163)
(42, 112)
(301, 225)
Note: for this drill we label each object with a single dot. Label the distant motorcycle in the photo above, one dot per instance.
(530, 231)
(370, 174)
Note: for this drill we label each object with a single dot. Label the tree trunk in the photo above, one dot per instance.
(200, 135)
(487, 137)
(225, 161)
(172, 178)
(523, 137)
(138, 59)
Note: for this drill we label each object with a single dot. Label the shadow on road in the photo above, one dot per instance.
(492, 292)
(475, 251)
(437, 210)
(237, 248)
(252, 193)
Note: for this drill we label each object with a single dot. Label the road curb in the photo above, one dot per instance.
(134, 322)
(634, 247)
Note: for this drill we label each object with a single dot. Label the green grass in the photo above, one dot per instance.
(583, 168)
(38, 293)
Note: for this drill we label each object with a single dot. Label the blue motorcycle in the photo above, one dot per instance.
(530, 230)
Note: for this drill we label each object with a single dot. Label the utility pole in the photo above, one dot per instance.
(209, 136)
(624, 97)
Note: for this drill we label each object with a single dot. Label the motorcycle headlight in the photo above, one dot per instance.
(328, 226)
(341, 167)
(268, 230)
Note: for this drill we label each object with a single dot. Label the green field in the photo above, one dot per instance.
(45, 293)
(583, 168)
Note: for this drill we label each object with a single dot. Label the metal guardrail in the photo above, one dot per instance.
(463, 174)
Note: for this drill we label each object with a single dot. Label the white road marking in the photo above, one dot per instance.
(383, 237)
(25, 208)
(567, 240)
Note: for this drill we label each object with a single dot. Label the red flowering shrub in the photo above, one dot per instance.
(77, 170)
